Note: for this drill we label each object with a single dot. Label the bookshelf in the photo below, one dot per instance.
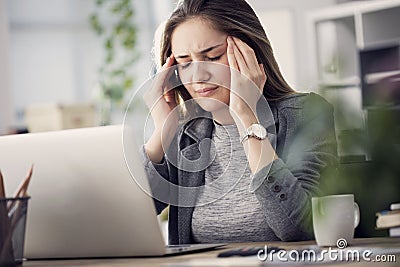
(351, 47)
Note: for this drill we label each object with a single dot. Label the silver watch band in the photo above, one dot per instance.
(244, 138)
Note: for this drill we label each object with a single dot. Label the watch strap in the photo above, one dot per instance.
(244, 138)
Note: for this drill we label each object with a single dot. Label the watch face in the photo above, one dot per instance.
(259, 131)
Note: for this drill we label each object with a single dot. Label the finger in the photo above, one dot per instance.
(158, 86)
(247, 53)
(169, 93)
(264, 76)
(169, 96)
(164, 72)
(231, 55)
(262, 70)
(169, 62)
(240, 60)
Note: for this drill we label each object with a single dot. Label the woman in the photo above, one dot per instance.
(271, 200)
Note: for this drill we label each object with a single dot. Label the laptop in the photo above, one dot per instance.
(84, 201)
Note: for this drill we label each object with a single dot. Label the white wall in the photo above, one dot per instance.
(6, 119)
(281, 36)
(302, 80)
(54, 54)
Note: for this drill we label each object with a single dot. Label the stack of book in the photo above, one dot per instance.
(390, 219)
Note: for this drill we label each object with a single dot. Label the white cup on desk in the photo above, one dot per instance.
(334, 219)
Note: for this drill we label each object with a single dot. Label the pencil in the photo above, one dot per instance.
(2, 188)
(23, 188)
(6, 251)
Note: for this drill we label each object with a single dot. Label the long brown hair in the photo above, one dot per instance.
(238, 19)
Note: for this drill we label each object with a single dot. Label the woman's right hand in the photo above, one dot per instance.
(160, 99)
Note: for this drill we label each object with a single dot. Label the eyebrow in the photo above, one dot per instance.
(201, 52)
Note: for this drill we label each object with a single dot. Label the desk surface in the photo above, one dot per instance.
(209, 258)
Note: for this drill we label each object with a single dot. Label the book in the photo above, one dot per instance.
(388, 219)
(394, 232)
(395, 206)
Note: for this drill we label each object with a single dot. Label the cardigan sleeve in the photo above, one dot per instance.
(154, 173)
(285, 186)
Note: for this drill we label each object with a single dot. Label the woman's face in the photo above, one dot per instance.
(195, 46)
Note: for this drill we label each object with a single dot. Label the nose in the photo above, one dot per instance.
(200, 72)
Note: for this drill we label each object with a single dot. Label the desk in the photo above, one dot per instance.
(209, 258)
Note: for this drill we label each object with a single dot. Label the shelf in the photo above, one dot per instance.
(379, 25)
(374, 20)
(337, 49)
(341, 83)
(351, 9)
(355, 43)
(378, 66)
(395, 108)
(348, 112)
(373, 78)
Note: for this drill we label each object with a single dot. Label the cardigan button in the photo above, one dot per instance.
(270, 179)
(276, 188)
(282, 196)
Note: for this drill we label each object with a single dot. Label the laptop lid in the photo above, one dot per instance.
(84, 201)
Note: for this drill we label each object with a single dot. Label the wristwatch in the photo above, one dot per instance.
(255, 130)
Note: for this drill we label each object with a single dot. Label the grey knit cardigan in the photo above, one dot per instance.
(306, 145)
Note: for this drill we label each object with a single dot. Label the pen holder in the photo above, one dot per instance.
(13, 212)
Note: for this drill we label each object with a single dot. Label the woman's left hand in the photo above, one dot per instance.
(247, 80)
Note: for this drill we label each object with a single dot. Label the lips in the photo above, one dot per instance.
(206, 91)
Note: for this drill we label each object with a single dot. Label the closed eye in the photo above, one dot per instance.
(184, 65)
(214, 58)
(187, 64)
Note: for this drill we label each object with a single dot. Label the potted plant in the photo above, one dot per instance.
(112, 21)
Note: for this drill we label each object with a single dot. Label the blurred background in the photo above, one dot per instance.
(75, 63)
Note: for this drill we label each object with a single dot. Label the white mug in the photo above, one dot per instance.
(334, 219)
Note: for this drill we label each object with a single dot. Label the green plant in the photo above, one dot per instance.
(375, 180)
(113, 22)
